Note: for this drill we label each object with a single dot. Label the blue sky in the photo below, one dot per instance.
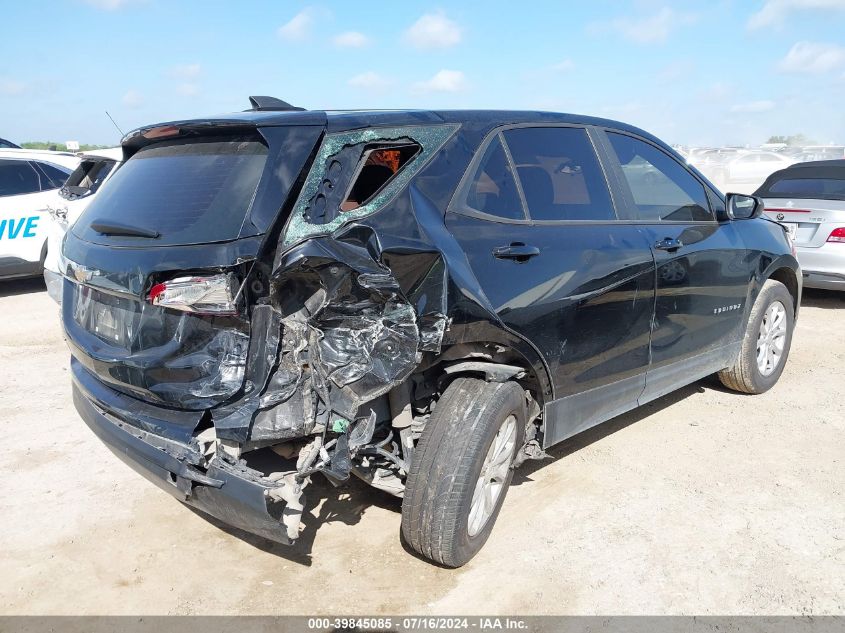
(691, 72)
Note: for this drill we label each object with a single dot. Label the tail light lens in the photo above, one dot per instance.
(214, 294)
(838, 235)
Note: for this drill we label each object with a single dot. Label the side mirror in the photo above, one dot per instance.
(742, 207)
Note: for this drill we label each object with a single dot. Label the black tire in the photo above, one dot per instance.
(447, 465)
(745, 375)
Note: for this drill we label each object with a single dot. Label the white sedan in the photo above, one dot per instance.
(753, 167)
(29, 183)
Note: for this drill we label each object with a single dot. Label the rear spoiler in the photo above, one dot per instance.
(264, 104)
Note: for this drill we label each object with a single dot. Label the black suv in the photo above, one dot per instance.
(421, 299)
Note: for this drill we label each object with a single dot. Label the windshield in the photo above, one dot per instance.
(187, 192)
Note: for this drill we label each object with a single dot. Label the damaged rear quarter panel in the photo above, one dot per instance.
(361, 298)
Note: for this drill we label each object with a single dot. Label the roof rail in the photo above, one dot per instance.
(271, 103)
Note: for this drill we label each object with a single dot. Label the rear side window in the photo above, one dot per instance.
(808, 187)
(377, 166)
(189, 192)
(661, 187)
(492, 189)
(560, 174)
(18, 177)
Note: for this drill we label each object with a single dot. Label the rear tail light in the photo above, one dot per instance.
(214, 294)
(838, 235)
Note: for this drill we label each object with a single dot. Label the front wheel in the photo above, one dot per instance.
(765, 347)
(462, 469)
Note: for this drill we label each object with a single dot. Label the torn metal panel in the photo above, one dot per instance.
(232, 420)
(363, 336)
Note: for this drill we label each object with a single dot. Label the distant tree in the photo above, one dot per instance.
(60, 147)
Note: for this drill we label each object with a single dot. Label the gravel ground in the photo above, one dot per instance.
(703, 502)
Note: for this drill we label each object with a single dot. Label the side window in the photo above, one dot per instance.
(492, 189)
(54, 177)
(17, 177)
(560, 174)
(662, 188)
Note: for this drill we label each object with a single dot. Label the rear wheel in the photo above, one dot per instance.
(766, 344)
(462, 469)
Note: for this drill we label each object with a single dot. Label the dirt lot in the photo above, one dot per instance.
(702, 502)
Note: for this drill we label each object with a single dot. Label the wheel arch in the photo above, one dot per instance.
(789, 278)
(495, 361)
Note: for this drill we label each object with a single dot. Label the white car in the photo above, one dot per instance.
(95, 168)
(808, 199)
(752, 167)
(29, 183)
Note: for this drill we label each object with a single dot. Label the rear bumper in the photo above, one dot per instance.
(824, 281)
(219, 490)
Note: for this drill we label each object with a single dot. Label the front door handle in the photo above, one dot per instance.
(517, 250)
(668, 244)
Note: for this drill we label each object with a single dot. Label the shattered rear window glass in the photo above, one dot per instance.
(327, 199)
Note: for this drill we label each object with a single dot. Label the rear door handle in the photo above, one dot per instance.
(517, 251)
(668, 244)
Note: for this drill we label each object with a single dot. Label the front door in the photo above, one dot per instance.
(538, 224)
(702, 273)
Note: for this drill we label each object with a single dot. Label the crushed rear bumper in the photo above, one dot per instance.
(219, 489)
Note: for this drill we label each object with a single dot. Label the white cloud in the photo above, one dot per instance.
(351, 39)
(649, 29)
(298, 28)
(369, 81)
(11, 87)
(563, 66)
(188, 89)
(110, 5)
(754, 106)
(185, 71)
(442, 81)
(434, 30)
(814, 58)
(775, 12)
(133, 99)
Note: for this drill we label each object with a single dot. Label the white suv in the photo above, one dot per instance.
(29, 183)
(94, 169)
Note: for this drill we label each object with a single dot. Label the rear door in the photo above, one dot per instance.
(702, 275)
(537, 222)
